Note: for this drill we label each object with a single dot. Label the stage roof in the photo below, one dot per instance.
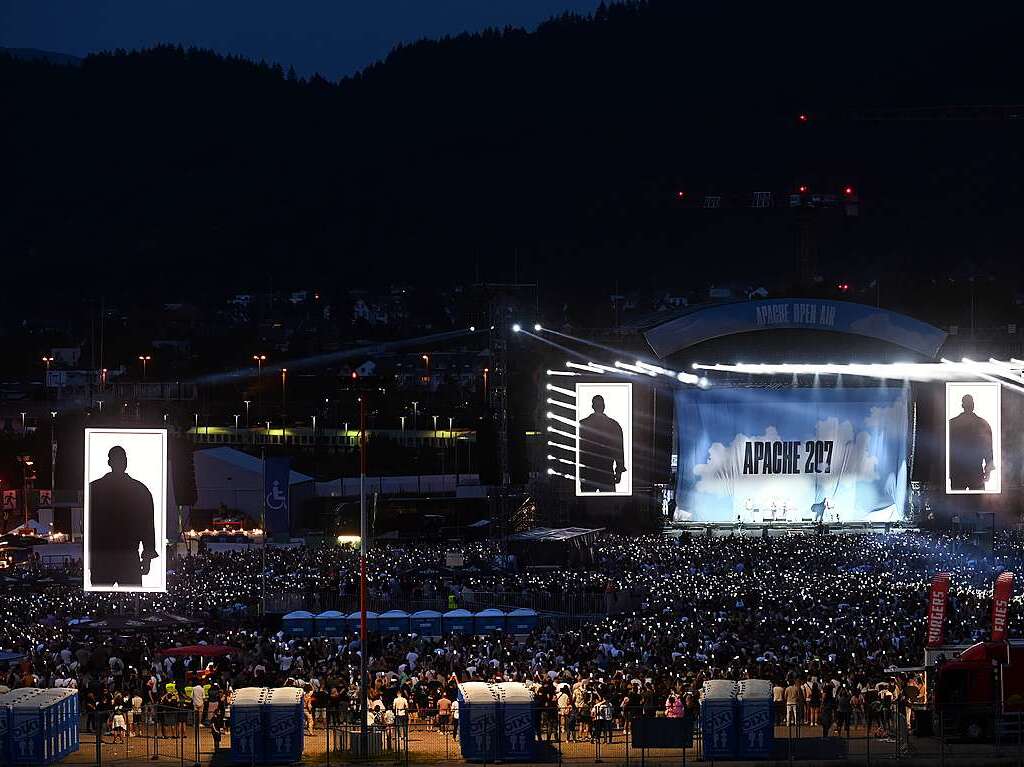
(695, 325)
(556, 534)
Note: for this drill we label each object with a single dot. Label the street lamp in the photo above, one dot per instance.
(144, 359)
(426, 362)
(247, 403)
(486, 371)
(23, 414)
(415, 413)
(47, 361)
(284, 390)
(403, 422)
(236, 421)
(435, 426)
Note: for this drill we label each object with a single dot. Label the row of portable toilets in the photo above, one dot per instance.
(737, 719)
(267, 725)
(428, 623)
(38, 726)
(496, 722)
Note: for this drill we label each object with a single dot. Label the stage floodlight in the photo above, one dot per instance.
(550, 414)
(552, 471)
(516, 328)
(537, 327)
(472, 328)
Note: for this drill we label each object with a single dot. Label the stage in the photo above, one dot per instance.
(777, 529)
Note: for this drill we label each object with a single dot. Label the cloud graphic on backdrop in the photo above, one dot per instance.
(852, 457)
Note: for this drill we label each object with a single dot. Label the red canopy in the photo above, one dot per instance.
(206, 650)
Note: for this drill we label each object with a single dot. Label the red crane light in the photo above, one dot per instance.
(848, 190)
(802, 117)
(680, 195)
(802, 189)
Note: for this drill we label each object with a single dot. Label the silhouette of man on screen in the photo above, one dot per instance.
(601, 453)
(120, 519)
(970, 449)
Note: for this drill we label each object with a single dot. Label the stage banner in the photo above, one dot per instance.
(1001, 595)
(791, 455)
(276, 475)
(937, 602)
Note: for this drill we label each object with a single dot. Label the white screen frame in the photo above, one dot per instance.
(988, 405)
(147, 462)
(618, 406)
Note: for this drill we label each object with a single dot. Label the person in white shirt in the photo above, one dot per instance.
(455, 718)
(401, 709)
(198, 698)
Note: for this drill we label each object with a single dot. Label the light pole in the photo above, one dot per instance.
(284, 391)
(486, 371)
(23, 414)
(426, 363)
(364, 540)
(260, 359)
(197, 423)
(46, 380)
(53, 453)
(415, 413)
(247, 403)
(236, 421)
(435, 427)
(144, 359)
(103, 379)
(403, 422)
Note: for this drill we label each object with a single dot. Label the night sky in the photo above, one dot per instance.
(334, 38)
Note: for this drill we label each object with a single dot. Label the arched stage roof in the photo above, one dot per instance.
(703, 323)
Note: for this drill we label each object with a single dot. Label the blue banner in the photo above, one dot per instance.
(794, 455)
(276, 475)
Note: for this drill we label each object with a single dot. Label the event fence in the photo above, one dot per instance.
(563, 603)
(173, 735)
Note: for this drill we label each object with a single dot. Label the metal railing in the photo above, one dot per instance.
(879, 734)
(569, 603)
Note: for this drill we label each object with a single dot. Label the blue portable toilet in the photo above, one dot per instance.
(283, 723)
(457, 622)
(489, 620)
(298, 624)
(718, 719)
(330, 623)
(38, 726)
(425, 623)
(756, 738)
(393, 622)
(371, 622)
(478, 722)
(518, 729)
(246, 725)
(521, 621)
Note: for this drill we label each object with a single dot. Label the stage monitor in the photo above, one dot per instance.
(973, 437)
(604, 439)
(125, 510)
(759, 455)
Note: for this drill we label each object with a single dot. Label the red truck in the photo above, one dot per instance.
(981, 692)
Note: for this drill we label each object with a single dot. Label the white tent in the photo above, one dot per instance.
(233, 478)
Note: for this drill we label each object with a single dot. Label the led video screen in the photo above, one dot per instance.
(125, 510)
(973, 437)
(604, 439)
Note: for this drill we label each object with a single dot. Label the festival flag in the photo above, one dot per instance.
(937, 606)
(1001, 595)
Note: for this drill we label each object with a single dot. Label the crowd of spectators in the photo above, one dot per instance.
(821, 616)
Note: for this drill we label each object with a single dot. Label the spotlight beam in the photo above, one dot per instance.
(321, 360)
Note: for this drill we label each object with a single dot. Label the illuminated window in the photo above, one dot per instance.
(712, 200)
(761, 200)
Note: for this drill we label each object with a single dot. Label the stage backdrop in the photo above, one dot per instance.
(836, 454)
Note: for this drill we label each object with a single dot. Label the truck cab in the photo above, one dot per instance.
(981, 692)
